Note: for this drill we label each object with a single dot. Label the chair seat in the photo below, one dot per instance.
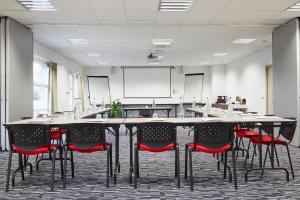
(210, 150)
(56, 133)
(35, 151)
(100, 147)
(267, 140)
(246, 133)
(168, 147)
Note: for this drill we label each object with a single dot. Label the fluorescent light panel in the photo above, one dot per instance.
(93, 54)
(162, 42)
(37, 5)
(78, 41)
(243, 41)
(175, 5)
(294, 7)
(220, 54)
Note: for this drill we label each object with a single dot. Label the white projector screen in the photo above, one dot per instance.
(99, 89)
(193, 87)
(147, 82)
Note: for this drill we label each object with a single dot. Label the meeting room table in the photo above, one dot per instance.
(131, 123)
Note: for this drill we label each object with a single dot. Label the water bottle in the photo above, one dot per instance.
(207, 105)
(94, 105)
(153, 103)
(103, 104)
(181, 109)
(194, 103)
(76, 110)
(230, 107)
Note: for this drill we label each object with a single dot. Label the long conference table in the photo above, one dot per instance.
(130, 123)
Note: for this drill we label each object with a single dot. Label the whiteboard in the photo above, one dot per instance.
(147, 82)
(99, 89)
(193, 87)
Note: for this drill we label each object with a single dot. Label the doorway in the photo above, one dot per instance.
(269, 89)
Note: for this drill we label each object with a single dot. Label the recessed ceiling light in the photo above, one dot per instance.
(243, 41)
(37, 5)
(205, 63)
(294, 7)
(103, 63)
(220, 54)
(162, 42)
(175, 5)
(154, 62)
(93, 54)
(79, 41)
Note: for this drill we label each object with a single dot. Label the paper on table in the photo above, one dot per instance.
(157, 120)
(95, 120)
(212, 119)
(266, 117)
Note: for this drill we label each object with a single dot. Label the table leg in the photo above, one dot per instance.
(117, 148)
(168, 113)
(175, 110)
(130, 154)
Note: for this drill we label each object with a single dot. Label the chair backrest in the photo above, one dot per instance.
(287, 129)
(86, 135)
(29, 137)
(156, 134)
(145, 113)
(213, 135)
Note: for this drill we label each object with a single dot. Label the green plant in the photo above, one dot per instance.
(115, 109)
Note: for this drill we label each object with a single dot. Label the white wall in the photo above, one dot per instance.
(247, 78)
(218, 81)
(116, 83)
(65, 67)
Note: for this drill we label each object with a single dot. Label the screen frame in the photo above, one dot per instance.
(194, 74)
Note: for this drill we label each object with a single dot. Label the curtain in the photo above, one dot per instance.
(80, 79)
(53, 87)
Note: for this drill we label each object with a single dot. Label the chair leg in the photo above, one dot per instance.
(21, 166)
(218, 163)
(290, 160)
(278, 164)
(225, 164)
(191, 170)
(185, 161)
(135, 167)
(53, 169)
(61, 163)
(107, 167)
(65, 167)
(178, 167)
(234, 170)
(72, 164)
(243, 147)
(265, 160)
(254, 152)
(8, 171)
(247, 154)
(111, 160)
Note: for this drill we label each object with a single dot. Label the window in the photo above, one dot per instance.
(40, 88)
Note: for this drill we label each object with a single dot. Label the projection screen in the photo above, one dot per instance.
(147, 82)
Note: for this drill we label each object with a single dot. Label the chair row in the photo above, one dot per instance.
(34, 139)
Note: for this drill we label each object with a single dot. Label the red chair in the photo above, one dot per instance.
(285, 136)
(156, 137)
(212, 138)
(87, 138)
(30, 139)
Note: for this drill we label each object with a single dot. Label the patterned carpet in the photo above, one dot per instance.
(157, 178)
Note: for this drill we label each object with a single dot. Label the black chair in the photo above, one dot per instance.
(87, 138)
(29, 139)
(285, 136)
(156, 137)
(146, 113)
(212, 138)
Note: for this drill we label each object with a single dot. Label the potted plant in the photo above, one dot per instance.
(115, 109)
